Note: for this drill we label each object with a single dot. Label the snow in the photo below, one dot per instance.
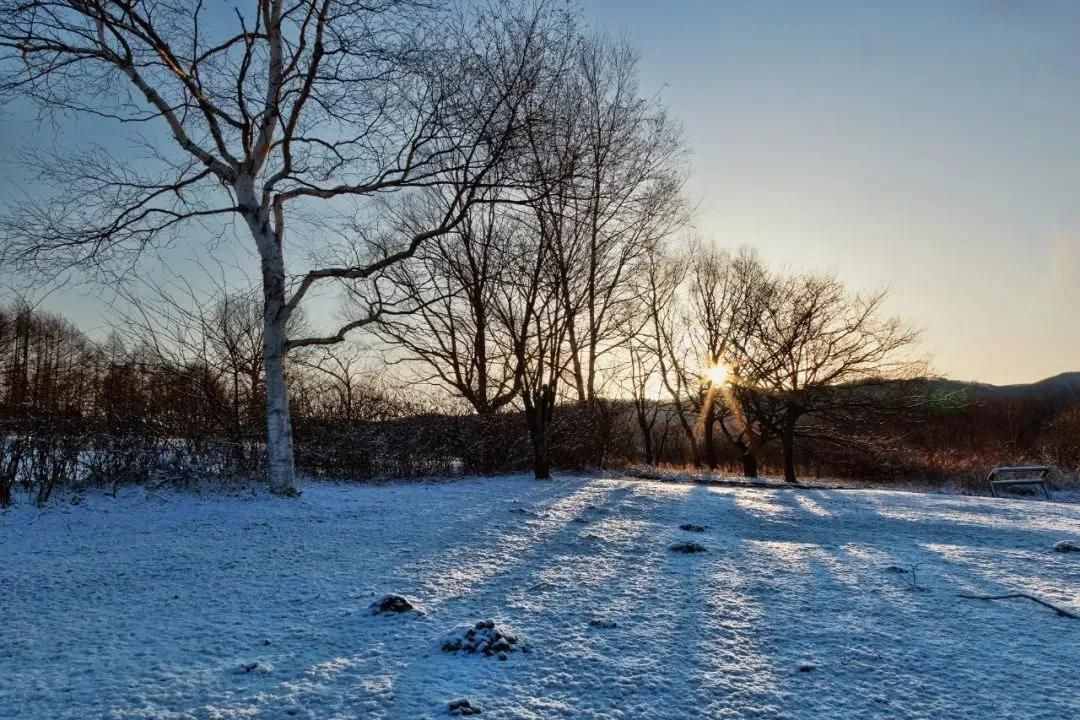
(808, 604)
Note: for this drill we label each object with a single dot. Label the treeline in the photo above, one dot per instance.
(51, 369)
(80, 412)
(133, 407)
(182, 400)
(968, 428)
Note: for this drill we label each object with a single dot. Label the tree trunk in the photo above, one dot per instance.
(691, 440)
(788, 440)
(281, 470)
(538, 411)
(747, 451)
(749, 464)
(646, 428)
(577, 370)
(709, 428)
(279, 444)
(238, 424)
(541, 463)
(254, 381)
(661, 445)
(602, 420)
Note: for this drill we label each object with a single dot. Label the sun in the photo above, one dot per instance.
(717, 374)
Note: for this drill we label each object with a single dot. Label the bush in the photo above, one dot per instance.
(39, 455)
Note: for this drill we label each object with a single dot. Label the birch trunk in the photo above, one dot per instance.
(281, 470)
(279, 443)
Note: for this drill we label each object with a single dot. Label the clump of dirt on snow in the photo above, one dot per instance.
(688, 548)
(485, 637)
(393, 605)
(1066, 546)
(463, 707)
(255, 667)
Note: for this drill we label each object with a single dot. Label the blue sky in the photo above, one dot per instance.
(931, 148)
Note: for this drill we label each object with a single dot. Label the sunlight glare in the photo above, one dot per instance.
(717, 374)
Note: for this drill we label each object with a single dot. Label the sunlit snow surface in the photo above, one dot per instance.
(151, 606)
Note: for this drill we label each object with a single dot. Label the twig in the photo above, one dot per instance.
(915, 577)
(1055, 608)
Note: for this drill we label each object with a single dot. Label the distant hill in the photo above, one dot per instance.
(1066, 385)
(1049, 395)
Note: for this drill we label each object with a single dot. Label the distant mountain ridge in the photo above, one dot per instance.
(1065, 386)
(1052, 393)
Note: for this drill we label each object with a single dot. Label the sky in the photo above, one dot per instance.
(928, 148)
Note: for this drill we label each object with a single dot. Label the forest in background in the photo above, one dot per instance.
(78, 412)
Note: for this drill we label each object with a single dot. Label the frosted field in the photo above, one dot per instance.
(151, 606)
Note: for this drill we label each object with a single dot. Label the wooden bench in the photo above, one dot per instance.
(1019, 475)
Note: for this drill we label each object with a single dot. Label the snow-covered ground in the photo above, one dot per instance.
(151, 606)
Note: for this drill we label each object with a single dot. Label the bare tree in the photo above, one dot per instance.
(624, 198)
(642, 381)
(815, 350)
(46, 363)
(235, 333)
(347, 379)
(608, 163)
(679, 372)
(448, 329)
(175, 326)
(536, 325)
(649, 369)
(528, 300)
(700, 306)
(271, 111)
(723, 299)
